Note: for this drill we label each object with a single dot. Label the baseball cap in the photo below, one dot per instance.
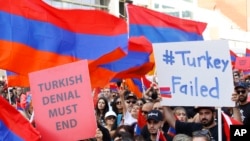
(155, 115)
(130, 95)
(240, 85)
(110, 113)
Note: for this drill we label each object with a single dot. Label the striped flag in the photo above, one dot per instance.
(165, 92)
(227, 121)
(160, 136)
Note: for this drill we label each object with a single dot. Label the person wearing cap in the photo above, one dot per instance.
(110, 118)
(240, 97)
(206, 121)
(154, 124)
(130, 109)
(130, 100)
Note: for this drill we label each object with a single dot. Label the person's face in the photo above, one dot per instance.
(101, 104)
(153, 126)
(157, 106)
(19, 91)
(242, 94)
(181, 115)
(118, 103)
(135, 110)
(145, 109)
(130, 102)
(236, 77)
(139, 103)
(106, 93)
(206, 117)
(110, 120)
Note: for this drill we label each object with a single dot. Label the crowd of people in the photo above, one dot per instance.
(122, 116)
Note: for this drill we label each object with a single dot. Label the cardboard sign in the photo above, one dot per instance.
(197, 73)
(63, 105)
(242, 63)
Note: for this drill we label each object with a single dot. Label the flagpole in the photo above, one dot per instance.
(219, 124)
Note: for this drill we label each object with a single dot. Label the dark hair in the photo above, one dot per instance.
(113, 104)
(203, 133)
(106, 108)
(125, 136)
(142, 99)
(128, 129)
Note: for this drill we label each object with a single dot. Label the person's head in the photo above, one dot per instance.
(123, 136)
(146, 108)
(206, 115)
(202, 135)
(242, 91)
(154, 121)
(182, 137)
(19, 91)
(123, 128)
(157, 106)
(134, 111)
(140, 102)
(110, 117)
(180, 113)
(102, 105)
(130, 100)
(106, 93)
(114, 94)
(117, 106)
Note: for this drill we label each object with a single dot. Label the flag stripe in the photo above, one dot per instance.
(247, 52)
(15, 124)
(7, 134)
(74, 20)
(164, 20)
(138, 54)
(45, 36)
(160, 27)
(165, 92)
(161, 34)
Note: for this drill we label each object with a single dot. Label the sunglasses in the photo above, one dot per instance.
(118, 102)
(128, 101)
(241, 91)
(110, 117)
(145, 112)
(139, 103)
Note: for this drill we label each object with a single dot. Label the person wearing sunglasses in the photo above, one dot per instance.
(206, 117)
(117, 107)
(110, 118)
(240, 97)
(130, 109)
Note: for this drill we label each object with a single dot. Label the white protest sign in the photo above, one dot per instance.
(198, 73)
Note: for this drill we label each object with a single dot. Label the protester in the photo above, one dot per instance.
(130, 109)
(202, 135)
(207, 120)
(240, 97)
(181, 113)
(182, 137)
(101, 109)
(110, 118)
(154, 124)
(117, 107)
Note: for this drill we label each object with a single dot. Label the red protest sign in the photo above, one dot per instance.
(242, 63)
(63, 105)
